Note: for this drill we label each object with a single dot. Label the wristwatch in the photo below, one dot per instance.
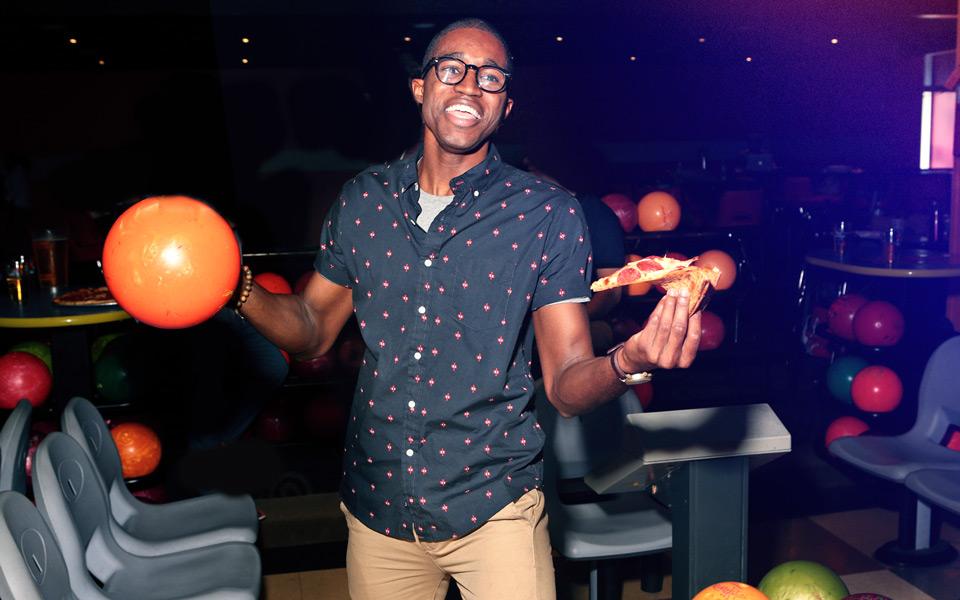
(627, 378)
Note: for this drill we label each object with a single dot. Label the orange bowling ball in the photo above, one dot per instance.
(722, 261)
(730, 590)
(171, 261)
(658, 211)
(139, 448)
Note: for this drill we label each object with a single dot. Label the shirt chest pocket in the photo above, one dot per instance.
(477, 293)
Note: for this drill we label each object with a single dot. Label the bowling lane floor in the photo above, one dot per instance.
(842, 540)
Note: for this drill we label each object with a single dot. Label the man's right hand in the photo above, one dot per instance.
(669, 339)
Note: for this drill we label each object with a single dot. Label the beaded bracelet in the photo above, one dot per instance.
(244, 288)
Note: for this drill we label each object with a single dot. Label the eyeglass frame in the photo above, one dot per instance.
(434, 63)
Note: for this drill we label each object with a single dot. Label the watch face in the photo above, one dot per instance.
(637, 378)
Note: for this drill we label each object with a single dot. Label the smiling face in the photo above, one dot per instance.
(459, 119)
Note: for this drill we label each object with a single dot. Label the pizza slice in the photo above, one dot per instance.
(668, 273)
(88, 296)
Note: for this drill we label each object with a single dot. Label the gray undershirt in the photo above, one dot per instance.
(430, 207)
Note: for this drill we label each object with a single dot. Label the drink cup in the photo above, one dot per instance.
(50, 255)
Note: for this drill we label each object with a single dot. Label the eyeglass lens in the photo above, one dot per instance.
(451, 71)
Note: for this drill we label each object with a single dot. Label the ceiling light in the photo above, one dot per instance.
(245, 40)
(559, 38)
(407, 39)
(749, 59)
(73, 41)
(244, 60)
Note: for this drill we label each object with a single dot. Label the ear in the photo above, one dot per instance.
(507, 108)
(416, 88)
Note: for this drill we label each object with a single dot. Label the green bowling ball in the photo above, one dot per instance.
(116, 374)
(38, 349)
(99, 344)
(803, 580)
(840, 376)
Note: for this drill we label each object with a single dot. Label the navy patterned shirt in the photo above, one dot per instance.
(443, 433)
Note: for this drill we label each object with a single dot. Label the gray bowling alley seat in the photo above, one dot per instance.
(14, 443)
(895, 457)
(31, 565)
(938, 487)
(171, 527)
(608, 527)
(74, 504)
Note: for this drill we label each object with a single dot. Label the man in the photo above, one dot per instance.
(451, 260)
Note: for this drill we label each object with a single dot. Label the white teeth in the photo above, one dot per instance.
(464, 108)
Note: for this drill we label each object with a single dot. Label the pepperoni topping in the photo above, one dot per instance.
(648, 264)
(627, 275)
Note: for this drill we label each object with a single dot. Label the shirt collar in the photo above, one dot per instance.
(479, 178)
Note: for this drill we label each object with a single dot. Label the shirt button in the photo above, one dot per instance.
(476, 193)
(409, 451)
(417, 355)
(428, 263)
(412, 404)
(422, 309)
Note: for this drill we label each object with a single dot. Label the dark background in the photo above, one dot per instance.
(173, 109)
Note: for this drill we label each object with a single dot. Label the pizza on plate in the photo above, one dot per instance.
(88, 296)
(666, 272)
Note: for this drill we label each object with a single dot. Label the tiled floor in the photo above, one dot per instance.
(844, 541)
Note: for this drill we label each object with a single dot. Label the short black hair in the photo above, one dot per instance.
(470, 23)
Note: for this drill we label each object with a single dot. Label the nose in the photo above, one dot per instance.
(470, 85)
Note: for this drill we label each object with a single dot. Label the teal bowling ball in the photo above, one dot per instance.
(840, 376)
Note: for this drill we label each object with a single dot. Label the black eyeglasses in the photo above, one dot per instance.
(451, 71)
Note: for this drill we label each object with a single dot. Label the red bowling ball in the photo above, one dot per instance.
(712, 331)
(315, 368)
(325, 416)
(878, 323)
(350, 352)
(624, 208)
(644, 394)
(841, 314)
(876, 389)
(302, 281)
(844, 427)
(953, 441)
(38, 431)
(153, 495)
(274, 424)
(23, 375)
(273, 283)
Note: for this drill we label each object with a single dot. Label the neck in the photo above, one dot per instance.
(439, 166)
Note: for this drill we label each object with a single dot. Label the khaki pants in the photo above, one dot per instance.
(508, 558)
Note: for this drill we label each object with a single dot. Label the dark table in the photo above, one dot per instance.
(70, 347)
